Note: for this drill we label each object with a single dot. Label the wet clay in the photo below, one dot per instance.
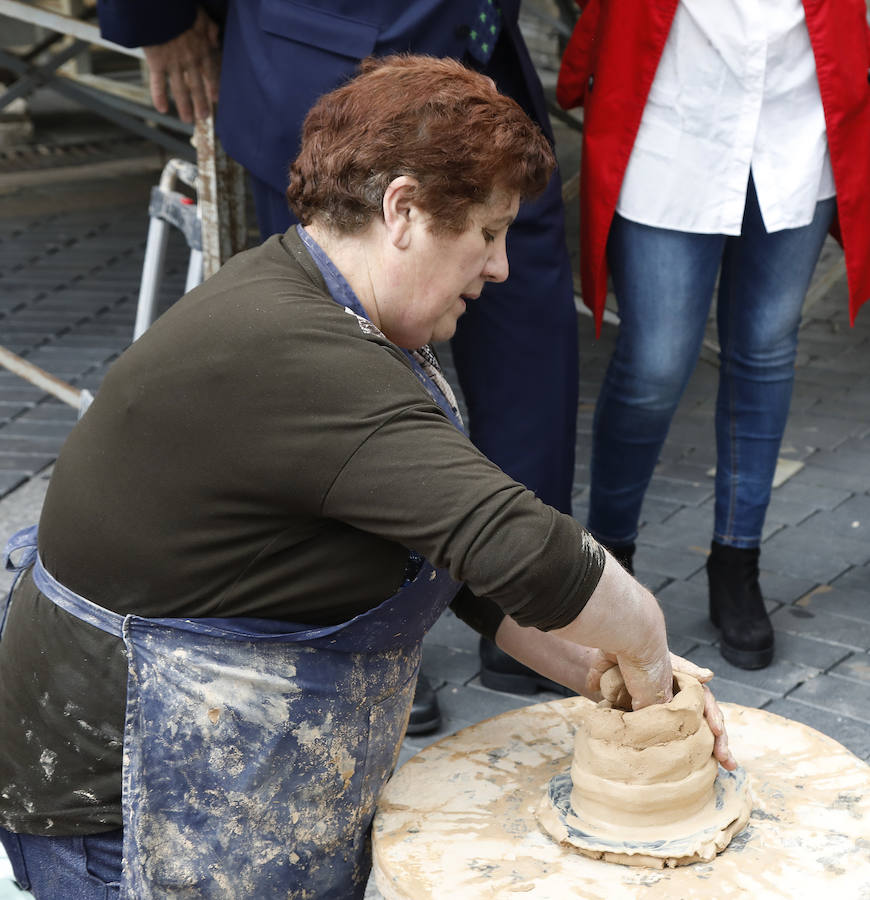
(458, 819)
(644, 788)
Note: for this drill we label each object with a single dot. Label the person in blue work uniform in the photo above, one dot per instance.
(208, 662)
(515, 357)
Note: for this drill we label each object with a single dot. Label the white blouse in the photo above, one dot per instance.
(736, 89)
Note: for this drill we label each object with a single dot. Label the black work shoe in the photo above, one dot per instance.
(501, 672)
(624, 555)
(425, 714)
(737, 607)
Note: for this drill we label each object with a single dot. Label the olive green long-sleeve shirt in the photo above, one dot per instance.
(256, 453)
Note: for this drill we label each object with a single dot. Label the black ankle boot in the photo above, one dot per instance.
(737, 607)
(499, 671)
(624, 555)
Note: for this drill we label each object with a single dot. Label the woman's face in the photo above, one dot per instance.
(443, 272)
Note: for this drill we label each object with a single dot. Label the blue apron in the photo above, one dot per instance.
(255, 750)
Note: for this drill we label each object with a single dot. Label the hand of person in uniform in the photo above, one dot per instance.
(190, 63)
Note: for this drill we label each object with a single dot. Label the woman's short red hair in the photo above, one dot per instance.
(445, 125)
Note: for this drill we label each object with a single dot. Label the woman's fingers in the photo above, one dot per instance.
(716, 721)
(648, 682)
(686, 667)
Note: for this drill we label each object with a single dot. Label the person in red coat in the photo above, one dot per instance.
(720, 139)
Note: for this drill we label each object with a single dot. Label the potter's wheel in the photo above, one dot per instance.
(458, 820)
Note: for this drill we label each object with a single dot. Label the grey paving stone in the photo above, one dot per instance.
(464, 706)
(815, 430)
(449, 631)
(837, 695)
(834, 535)
(825, 378)
(803, 554)
(856, 578)
(12, 410)
(689, 493)
(785, 512)
(36, 429)
(726, 691)
(855, 667)
(407, 752)
(682, 645)
(850, 456)
(843, 406)
(17, 390)
(90, 341)
(852, 734)
(776, 588)
(812, 497)
(778, 679)
(11, 479)
(541, 695)
(658, 509)
(36, 446)
(842, 601)
(107, 328)
(808, 651)
(820, 476)
(851, 519)
(690, 595)
(822, 626)
(849, 358)
(652, 581)
(447, 664)
(688, 623)
(54, 358)
(688, 526)
(24, 462)
(671, 561)
(692, 428)
(49, 412)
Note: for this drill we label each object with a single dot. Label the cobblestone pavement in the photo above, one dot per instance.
(71, 247)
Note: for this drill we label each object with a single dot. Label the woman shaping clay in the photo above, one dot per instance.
(206, 671)
(645, 788)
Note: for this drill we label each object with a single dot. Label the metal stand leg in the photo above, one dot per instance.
(152, 272)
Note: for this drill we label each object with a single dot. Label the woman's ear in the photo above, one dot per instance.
(401, 210)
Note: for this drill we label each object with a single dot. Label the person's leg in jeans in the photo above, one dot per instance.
(87, 867)
(664, 281)
(762, 287)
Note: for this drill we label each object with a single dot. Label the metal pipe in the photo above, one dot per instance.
(40, 378)
(36, 15)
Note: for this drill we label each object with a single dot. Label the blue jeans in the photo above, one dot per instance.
(664, 282)
(87, 867)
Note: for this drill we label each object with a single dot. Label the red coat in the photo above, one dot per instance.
(609, 66)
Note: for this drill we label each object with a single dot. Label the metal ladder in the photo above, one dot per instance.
(169, 208)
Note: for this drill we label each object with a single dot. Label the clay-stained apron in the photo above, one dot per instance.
(254, 754)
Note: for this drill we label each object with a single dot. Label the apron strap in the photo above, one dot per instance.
(21, 540)
(74, 603)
